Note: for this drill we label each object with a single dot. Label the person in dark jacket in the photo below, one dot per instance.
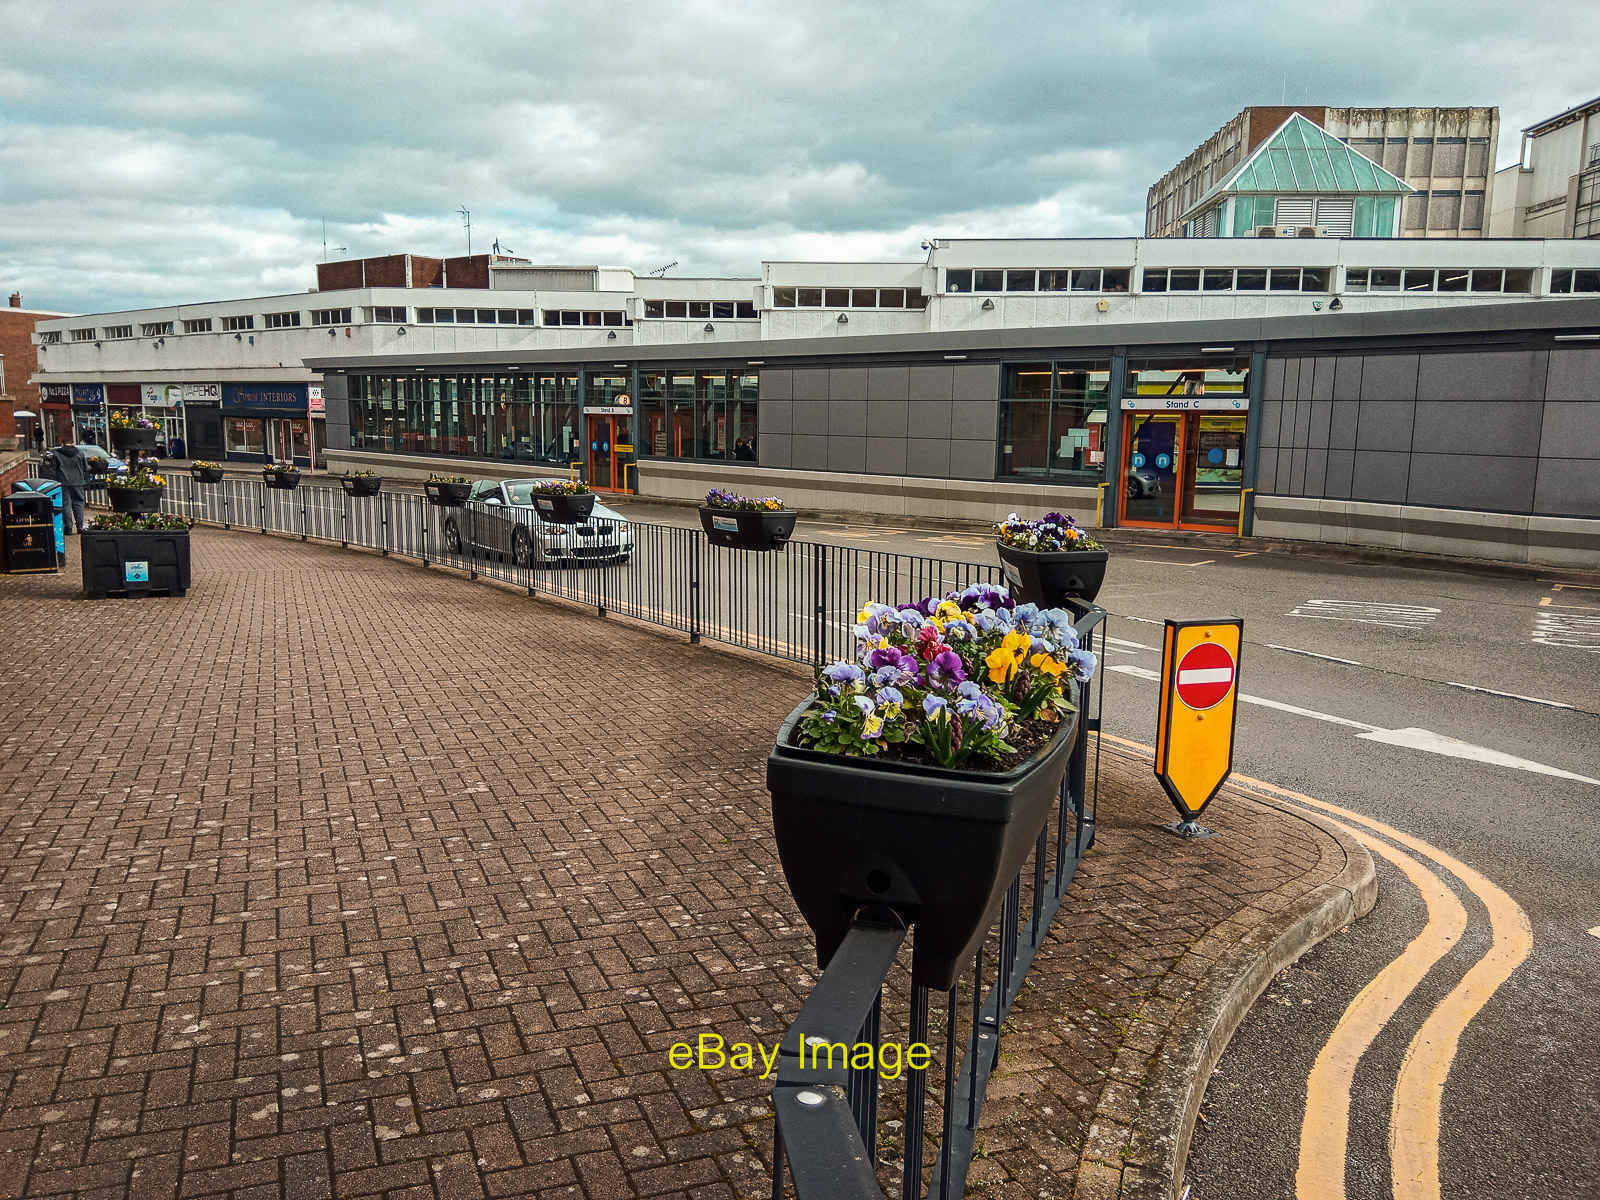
(72, 469)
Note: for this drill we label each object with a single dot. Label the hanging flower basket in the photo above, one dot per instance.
(126, 439)
(562, 501)
(282, 476)
(744, 522)
(1050, 561)
(139, 492)
(206, 472)
(361, 485)
(919, 775)
(447, 491)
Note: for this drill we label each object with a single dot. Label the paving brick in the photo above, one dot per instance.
(341, 905)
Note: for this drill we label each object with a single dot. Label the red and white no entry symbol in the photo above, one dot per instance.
(1205, 674)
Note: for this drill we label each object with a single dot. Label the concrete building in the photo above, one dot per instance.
(1445, 155)
(1553, 190)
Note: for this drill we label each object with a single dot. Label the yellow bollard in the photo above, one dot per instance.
(1244, 496)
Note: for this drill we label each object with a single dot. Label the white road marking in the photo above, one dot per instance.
(1349, 662)
(1206, 675)
(1508, 695)
(1162, 562)
(1438, 743)
(1595, 931)
(1412, 739)
(1142, 620)
(1569, 631)
(1124, 644)
(1368, 612)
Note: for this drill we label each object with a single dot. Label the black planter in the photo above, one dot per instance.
(134, 500)
(286, 480)
(563, 509)
(1048, 577)
(117, 563)
(447, 495)
(361, 485)
(939, 846)
(746, 529)
(206, 474)
(125, 441)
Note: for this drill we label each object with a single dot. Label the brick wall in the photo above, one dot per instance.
(338, 276)
(427, 272)
(466, 272)
(21, 356)
(1265, 121)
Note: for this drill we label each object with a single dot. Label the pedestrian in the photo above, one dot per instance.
(72, 469)
(38, 439)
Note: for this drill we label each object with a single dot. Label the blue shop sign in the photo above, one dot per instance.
(264, 398)
(88, 395)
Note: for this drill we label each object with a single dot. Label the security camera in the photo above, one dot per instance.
(924, 243)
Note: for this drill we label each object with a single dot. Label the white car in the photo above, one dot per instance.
(499, 518)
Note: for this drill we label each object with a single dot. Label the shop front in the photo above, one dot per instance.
(266, 422)
(608, 433)
(89, 413)
(55, 413)
(1183, 444)
(163, 404)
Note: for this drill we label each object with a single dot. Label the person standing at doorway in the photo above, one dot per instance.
(38, 439)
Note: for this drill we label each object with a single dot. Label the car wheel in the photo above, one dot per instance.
(452, 537)
(522, 546)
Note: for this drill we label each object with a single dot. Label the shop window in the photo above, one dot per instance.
(506, 316)
(571, 317)
(699, 310)
(244, 435)
(591, 319)
(1052, 421)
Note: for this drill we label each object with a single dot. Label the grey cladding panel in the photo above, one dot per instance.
(1571, 430)
(1342, 427)
(1341, 465)
(1389, 377)
(1508, 376)
(974, 419)
(811, 383)
(928, 456)
(931, 383)
(1291, 380)
(886, 455)
(776, 385)
(1271, 415)
(930, 418)
(847, 454)
(810, 453)
(888, 418)
(775, 449)
(1322, 379)
(976, 381)
(1568, 487)
(1476, 427)
(1472, 481)
(847, 383)
(1272, 387)
(1321, 422)
(972, 459)
(1347, 377)
(847, 418)
(810, 416)
(1385, 425)
(1267, 470)
(776, 416)
(1574, 375)
(1380, 476)
(1316, 473)
(888, 383)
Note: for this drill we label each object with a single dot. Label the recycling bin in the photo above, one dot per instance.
(58, 500)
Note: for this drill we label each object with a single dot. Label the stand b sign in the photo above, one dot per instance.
(1194, 726)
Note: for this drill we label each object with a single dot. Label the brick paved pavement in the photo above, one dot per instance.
(272, 923)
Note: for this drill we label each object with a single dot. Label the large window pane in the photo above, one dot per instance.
(1183, 279)
(837, 298)
(1218, 279)
(1028, 381)
(958, 280)
(988, 280)
(1020, 281)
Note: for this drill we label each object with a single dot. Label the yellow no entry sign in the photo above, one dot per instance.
(1194, 726)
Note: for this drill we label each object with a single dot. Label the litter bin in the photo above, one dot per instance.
(58, 498)
(29, 533)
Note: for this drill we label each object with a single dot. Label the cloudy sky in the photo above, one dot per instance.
(156, 153)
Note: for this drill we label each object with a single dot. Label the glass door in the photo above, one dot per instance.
(602, 452)
(1213, 474)
(1151, 468)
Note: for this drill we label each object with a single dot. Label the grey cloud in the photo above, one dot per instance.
(189, 151)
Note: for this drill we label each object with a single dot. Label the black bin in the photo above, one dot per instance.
(29, 533)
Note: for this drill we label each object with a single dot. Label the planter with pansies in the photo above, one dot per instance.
(745, 522)
(1050, 561)
(562, 501)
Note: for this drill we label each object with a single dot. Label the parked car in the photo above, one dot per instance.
(499, 518)
(1142, 481)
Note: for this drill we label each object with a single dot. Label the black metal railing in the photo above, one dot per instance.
(798, 603)
(829, 1126)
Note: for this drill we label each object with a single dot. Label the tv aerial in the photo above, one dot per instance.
(660, 271)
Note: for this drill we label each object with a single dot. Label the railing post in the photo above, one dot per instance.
(302, 492)
(344, 524)
(262, 508)
(819, 580)
(694, 587)
(424, 519)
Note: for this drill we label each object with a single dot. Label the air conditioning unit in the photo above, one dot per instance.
(1311, 231)
(1262, 231)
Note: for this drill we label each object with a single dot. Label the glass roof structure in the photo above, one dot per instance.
(1301, 157)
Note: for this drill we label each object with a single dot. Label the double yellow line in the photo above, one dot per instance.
(1414, 1112)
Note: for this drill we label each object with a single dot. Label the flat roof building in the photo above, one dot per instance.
(1553, 190)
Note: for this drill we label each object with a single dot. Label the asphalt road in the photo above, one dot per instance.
(1406, 727)
(1521, 1105)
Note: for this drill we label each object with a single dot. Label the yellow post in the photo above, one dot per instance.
(1100, 505)
(1244, 498)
